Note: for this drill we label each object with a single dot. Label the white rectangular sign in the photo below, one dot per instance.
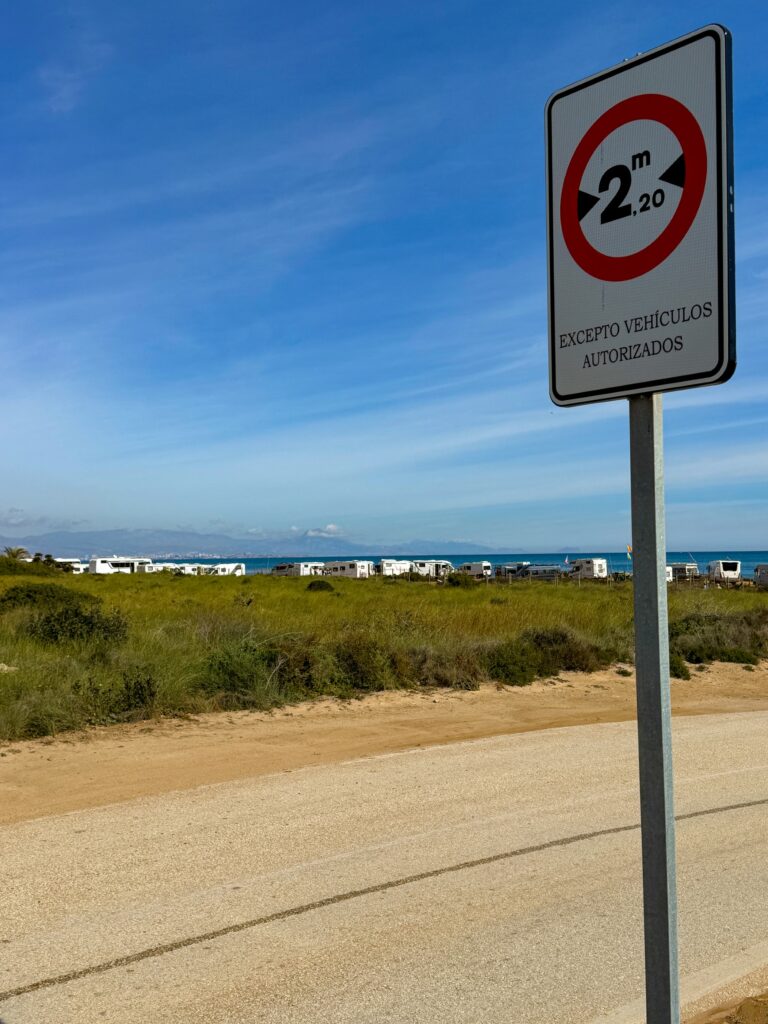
(640, 224)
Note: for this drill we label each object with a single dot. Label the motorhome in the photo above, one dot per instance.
(684, 571)
(511, 571)
(105, 566)
(356, 569)
(298, 569)
(724, 571)
(541, 572)
(479, 570)
(670, 576)
(589, 569)
(434, 567)
(75, 565)
(761, 576)
(394, 566)
(223, 569)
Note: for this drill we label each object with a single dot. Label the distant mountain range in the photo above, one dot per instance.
(188, 544)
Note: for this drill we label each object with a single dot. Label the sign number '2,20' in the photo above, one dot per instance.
(616, 208)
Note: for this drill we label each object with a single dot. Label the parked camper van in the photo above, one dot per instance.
(117, 564)
(761, 576)
(541, 572)
(354, 569)
(223, 569)
(394, 567)
(298, 569)
(684, 571)
(669, 574)
(723, 571)
(589, 569)
(434, 567)
(511, 571)
(479, 570)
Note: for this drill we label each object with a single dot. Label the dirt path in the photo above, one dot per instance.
(108, 765)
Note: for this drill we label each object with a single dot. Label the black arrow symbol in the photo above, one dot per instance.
(675, 173)
(585, 202)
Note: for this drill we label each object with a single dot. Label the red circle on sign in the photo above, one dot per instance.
(681, 122)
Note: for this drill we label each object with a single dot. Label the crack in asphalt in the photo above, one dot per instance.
(330, 901)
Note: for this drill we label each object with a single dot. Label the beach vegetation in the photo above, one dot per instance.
(98, 649)
(319, 585)
(12, 566)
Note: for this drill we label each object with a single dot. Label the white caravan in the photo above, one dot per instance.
(223, 569)
(299, 569)
(761, 576)
(355, 569)
(394, 566)
(724, 571)
(106, 566)
(589, 569)
(684, 571)
(75, 565)
(669, 574)
(479, 570)
(176, 568)
(434, 567)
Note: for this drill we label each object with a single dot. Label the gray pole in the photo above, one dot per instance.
(662, 999)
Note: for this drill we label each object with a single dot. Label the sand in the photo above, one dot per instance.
(117, 763)
(753, 1010)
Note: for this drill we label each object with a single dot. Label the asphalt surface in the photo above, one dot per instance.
(495, 880)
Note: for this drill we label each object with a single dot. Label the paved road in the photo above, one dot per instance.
(496, 880)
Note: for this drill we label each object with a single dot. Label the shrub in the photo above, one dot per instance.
(76, 623)
(245, 673)
(132, 695)
(461, 579)
(364, 663)
(14, 567)
(42, 595)
(677, 667)
(461, 668)
(709, 636)
(411, 577)
(42, 712)
(540, 653)
(512, 662)
(319, 585)
(138, 691)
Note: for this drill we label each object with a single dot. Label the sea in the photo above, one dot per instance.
(618, 561)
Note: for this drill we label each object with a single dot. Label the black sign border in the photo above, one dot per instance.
(726, 363)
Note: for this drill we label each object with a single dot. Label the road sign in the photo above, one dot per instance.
(640, 224)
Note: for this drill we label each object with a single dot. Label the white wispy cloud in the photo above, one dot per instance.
(64, 79)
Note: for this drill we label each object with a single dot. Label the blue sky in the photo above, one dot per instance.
(283, 265)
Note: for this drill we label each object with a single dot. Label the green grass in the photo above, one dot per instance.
(174, 645)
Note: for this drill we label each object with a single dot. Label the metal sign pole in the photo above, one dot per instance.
(653, 710)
